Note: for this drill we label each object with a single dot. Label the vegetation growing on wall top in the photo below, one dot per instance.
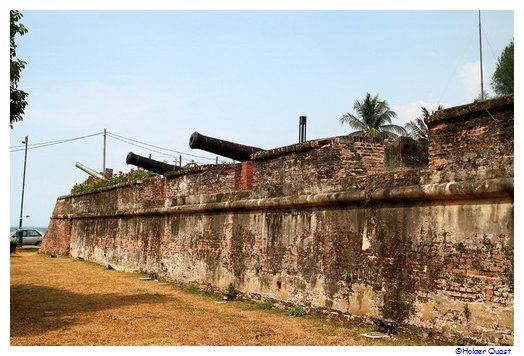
(94, 183)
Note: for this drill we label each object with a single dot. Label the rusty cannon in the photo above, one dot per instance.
(150, 164)
(223, 148)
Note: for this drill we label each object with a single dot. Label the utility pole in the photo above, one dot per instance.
(104, 155)
(481, 74)
(19, 233)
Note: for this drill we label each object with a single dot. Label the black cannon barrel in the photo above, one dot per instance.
(149, 164)
(224, 148)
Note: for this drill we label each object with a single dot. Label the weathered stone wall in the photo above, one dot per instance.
(474, 140)
(315, 166)
(320, 224)
(59, 241)
(405, 153)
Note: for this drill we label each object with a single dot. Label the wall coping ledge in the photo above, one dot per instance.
(201, 168)
(462, 111)
(308, 145)
(484, 189)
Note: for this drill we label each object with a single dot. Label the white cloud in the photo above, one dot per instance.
(412, 110)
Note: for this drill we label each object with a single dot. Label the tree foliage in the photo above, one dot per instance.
(502, 79)
(18, 97)
(373, 119)
(418, 128)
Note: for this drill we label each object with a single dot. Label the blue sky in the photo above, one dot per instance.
(244, 76)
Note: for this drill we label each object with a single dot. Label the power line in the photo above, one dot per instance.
(162, 155)
(171, 159)
(51, 143)
(127, 140)
(162, 148)
(137, 145)
(489, 45)
(57, 141)
(461, 55)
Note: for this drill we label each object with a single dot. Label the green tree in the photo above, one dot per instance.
(418, 128)
(18, 97)
(502, 79)
(373, 119)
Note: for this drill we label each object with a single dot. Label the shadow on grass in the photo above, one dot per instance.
(37, 309)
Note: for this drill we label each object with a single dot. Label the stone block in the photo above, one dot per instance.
(405, 153)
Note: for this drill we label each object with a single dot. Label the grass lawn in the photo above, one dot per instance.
(62, 301)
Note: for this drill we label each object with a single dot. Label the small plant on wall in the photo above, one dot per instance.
(94, 183)
(467, 312)
(346, 276)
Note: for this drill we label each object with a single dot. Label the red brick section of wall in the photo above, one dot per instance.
(315, 166)
(474, 140)
(57, 239)
(244, 176)
(152, 192)
(208, 179)
(371, 150)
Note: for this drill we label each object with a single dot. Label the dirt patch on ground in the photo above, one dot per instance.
(62, 301)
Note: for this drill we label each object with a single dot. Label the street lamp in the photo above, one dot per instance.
(19, 231)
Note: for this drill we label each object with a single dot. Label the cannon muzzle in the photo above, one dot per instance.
(223, 148)
(90, 171)
(150, 164)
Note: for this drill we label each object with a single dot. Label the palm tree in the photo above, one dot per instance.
(373, 119)
(417, 128)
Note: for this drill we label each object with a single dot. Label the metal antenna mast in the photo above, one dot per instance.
(481, 74)
(104, 155)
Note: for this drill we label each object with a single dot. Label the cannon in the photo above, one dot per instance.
(223, 148)
(90, 171)
(150, 164)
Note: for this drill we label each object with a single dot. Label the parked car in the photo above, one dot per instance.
(29, 237)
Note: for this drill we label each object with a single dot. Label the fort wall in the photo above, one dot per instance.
(327, 225)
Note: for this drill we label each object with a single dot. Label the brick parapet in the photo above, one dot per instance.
(472, 140)
(463, 112)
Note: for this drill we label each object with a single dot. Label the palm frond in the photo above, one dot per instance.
(353, 122)
(418, 128)
(395, 129)
(373, 118)
(357, 134)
